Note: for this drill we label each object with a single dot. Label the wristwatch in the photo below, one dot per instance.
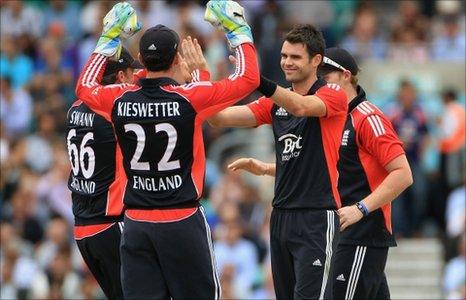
(363, 208)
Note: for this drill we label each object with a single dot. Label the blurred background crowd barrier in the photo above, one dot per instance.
(412, 59)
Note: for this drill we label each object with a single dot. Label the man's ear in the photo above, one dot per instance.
(120, 76)
(317, 60)
(140, 58)
(176, 60)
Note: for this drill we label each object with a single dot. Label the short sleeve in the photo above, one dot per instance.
(376, 136)
(262, 110)
(334, 98)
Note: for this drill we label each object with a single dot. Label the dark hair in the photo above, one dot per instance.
(449, 94)
(110, 79)
(308, 35)
(154, 63)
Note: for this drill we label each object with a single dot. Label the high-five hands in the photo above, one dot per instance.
(192, 60)
(120, 22)
(192, 54)
(230, 16)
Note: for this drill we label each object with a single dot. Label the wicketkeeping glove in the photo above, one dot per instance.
(120, 22)
(230, 16)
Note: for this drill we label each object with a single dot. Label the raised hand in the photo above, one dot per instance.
(251, 165)
(230, 16)
(192, 54)
(120, 22)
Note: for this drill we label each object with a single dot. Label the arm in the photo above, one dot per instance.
(120, 20)
(253, 166)
(88, 88)
(235, 116)
(208, 98)
(378, 138)
(298, 105)
(398, 179)
(327, 101)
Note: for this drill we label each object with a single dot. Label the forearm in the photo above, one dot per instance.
(296, 104)
(234, 116)
(90, 78)
(270, 169)
(390, 188)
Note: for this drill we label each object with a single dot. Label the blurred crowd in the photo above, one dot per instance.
(44, 45)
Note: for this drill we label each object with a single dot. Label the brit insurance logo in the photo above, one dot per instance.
(292, 146)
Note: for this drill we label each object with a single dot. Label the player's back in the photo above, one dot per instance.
(92, 149)
(161, 142)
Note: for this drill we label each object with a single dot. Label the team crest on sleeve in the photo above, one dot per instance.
(334, 86)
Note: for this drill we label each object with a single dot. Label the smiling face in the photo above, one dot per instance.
(295, 62)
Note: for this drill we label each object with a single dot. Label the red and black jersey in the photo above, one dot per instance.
(306, 149)
(95, 167)
(159, 127)
(368, 144)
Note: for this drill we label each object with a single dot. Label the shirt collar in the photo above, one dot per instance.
(361, 97)
(159, 81)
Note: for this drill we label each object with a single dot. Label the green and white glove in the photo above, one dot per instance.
(230, 16)
(120, 22)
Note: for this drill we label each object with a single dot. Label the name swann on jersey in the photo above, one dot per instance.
(157, 184)
(148, 109)
(82, 119)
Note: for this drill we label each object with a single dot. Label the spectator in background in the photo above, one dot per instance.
(452, 149)
(364, 41)
(39, 152)
(65, 13)
(17, 20)
(409, 121)
(452, 140)
(19, 270)
(410, 17)
(454, 276)
(15, 109)
(58, 236)
(54, 72)
(53, 186)
(236, 256)
(409, 34)
(14, 63)
(451, 44)
(455, 220)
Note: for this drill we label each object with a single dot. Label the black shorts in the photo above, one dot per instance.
(169, 260)
(359, 273)
(302, 244)
(101, 252)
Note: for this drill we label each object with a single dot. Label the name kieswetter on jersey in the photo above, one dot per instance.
(160, 184)
(148, 109)
(82, 119)
(83, 186)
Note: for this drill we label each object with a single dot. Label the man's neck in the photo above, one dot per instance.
(168, 73)
(350, 91)
(303, 87)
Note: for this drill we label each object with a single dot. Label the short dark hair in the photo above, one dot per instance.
(449, 94)
(155, 63)
(308, 35)
(109, 79)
